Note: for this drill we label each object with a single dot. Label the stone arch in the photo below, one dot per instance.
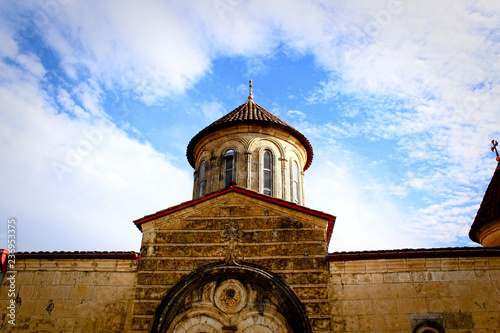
(290, 308)
(257, 144)
(237, 143)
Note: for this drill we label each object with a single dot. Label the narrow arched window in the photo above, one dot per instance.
(295, 182)
(201, 179)
(229, 167)
(268, 173)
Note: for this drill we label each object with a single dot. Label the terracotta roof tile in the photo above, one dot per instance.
(78, 255)
(490, 206)
(447, 252)
(249, 112)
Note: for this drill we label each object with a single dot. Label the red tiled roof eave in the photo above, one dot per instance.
(122, 255)
(249, 113)
(415, 253)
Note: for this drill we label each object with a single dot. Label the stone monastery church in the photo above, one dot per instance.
(246, 256)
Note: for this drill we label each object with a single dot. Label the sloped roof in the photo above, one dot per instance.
(490, 206)
(249, 113)
(78, 255)
(445, 252)
(331, 219)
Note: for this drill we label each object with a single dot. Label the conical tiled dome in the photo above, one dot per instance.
(489, 211)
(249, 113)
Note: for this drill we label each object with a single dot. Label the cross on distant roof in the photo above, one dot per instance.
(494, 148)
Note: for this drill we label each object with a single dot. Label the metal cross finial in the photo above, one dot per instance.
(494, 148)
(250, 96)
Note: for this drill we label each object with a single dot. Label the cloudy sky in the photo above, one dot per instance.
(99, 99)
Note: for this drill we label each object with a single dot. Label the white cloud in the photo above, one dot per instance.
(76, 183)
(212, 111)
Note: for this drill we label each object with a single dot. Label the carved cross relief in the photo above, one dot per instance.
(231, 233)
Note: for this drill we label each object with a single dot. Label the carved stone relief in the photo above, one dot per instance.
(229, 306)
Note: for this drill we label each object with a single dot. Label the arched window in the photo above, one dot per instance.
(201, 179)
(268, 173)
(295, 182)
(229, 167)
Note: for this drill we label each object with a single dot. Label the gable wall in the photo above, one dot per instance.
(289, 243)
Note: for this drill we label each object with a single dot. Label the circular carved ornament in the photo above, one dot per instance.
(230, 296)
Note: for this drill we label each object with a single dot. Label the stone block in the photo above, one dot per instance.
(384, 306)
(320, 324)
(460, 288)
(433, 289)
(356, 307)
(390, 277)
(151, 293)
(494, 262)
(402, 290)
(396, 265)
(357, 266)
(58, 307)
(433, 264)
(88, 323)
(411, 305)
(269, 250)
(207, 251)
(337, 267)
(466, 263)
(486, 320)
(370, 323)
(376, 266)
(351, 291)
(306, 293)
(147, 264)
(114, 324)
(310, 235)
(145, 307)
(415, 264)
(141, 323)
(397, 322)
(377, 291)
(303, 263)
(23, 278)
(443, 304)
(458, 320)
(335, 279)
(64, 323)
(473, 304)
(449, 264)
(84, 292)
(255, 250)
(114, 308)
(55, 292)
(41, 323)
(481, 263)
(317, 308)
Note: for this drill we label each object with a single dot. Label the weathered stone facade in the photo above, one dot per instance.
(70, 295)
(461, 294)
(234, 227)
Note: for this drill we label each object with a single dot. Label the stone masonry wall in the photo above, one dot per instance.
(71, 295)
(291, 244)
(392, 295)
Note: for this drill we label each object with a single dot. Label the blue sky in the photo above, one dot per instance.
(98, 101)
